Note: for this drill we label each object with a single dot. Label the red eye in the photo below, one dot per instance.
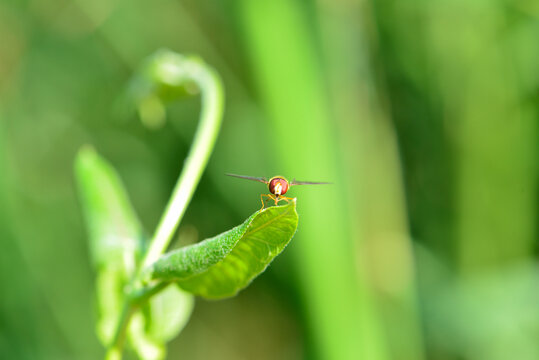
(277, 184)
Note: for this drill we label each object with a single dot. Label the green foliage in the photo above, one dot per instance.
(114, 230)
(215, 268)
(221, 266)
(115, 237)
(161, 319)
(140, 292)
(424, 115)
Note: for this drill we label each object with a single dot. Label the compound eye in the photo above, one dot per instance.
(278, 186)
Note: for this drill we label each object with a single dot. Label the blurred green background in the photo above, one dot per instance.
(424, 115)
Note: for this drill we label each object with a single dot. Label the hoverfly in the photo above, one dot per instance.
(277, 185)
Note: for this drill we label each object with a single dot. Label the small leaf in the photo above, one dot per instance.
(145, 347)
(115, 235)
(159, 321)
(109, 285)
(115, 238)
(168, 312)
(221, 266)
(115, 232)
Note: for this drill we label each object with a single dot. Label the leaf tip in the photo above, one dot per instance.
(86, 150)
(84, 156)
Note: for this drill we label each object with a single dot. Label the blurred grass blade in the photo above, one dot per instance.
(221, 266)
(112, 224)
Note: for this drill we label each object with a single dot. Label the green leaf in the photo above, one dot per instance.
(160, 320)
(115, 235)
(109, 285)
(221, 266)
(114, 229)
(168, 312)
(145, 347)
(115, 241)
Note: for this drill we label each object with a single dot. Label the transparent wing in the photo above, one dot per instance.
(296, 182)
(259, 179)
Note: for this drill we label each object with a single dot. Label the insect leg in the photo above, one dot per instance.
(287, 199)
(262, 199)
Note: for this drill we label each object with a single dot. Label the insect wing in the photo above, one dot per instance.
(259, 179)
(296, 182)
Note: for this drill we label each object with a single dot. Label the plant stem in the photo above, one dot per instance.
(176, 70)
(114, 352)
(207, 80)
(138, 296)
(134, 299)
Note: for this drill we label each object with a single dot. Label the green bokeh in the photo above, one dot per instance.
(423, 114)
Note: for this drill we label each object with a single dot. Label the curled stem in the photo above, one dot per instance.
(172, 69)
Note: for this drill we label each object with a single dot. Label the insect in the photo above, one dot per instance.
(277, 185)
